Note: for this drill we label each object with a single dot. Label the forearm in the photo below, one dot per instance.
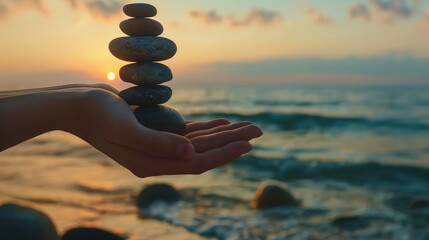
(25, 116)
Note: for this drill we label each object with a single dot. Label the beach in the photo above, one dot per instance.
(356, 156)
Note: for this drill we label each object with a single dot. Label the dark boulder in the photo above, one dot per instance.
(82, 233)
(155, 193)
(24, 223)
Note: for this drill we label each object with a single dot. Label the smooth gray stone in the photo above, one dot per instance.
(155, 193)
(141, 27)
(161, 118)
(139, 10)
(142, 49)
(146, 95)
(24, 223)
(145, 74)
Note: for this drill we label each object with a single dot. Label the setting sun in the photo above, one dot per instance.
(111, 76)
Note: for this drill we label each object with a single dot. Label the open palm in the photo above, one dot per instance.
(108, 124)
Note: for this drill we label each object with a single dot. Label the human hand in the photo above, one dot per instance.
(112, 128)
(97, 115)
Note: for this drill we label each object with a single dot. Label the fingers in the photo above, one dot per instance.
(207, 142)
(159, 144)
(143, 165)
(217, 129)
(219, 156)
(197, 126)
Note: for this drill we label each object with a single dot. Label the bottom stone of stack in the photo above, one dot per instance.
(161, 118)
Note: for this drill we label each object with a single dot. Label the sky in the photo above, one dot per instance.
(45, 42)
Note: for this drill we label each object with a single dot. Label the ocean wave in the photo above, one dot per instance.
(312, 122)
(295, 103)
(370, 174)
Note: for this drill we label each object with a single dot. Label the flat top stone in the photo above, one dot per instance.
(140, 10)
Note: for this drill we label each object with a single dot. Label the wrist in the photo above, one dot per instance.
(25, 116)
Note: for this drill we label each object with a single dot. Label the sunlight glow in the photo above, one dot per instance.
(111, 76)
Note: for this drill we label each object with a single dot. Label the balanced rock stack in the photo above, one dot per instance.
(144, 47)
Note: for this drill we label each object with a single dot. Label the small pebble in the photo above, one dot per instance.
(157, 192)
(272, 194)
(161, 118)
(145, 74)
(143, 49)
(136, 27)
(146, 95)
(83, 233)
(140, 10)
(419, 204)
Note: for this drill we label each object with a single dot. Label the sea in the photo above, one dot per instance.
(357, 157)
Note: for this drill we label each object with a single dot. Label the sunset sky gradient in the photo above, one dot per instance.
(331, 41)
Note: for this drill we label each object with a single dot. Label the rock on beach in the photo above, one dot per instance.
(157, 192)
(24, 223)
(272, 194)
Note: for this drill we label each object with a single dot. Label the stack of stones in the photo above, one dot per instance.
(144, 47)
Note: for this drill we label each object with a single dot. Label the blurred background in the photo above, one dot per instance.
(339, 87)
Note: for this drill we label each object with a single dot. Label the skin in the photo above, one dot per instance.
(96, 114)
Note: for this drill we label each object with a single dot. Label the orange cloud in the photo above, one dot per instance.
(7, 8)
(318, 17)
(252, 17)
(207, 17)
(99, 9)
(427, 16)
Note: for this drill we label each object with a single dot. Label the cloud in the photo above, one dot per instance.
(359, 11)
(258, 17)
(8, 7)
(253, 16)
(384, 11)
(100, 9)
(3, 11)
(207, 17)
(318, 17)
(427, 16)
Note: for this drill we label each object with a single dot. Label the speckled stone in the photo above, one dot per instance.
(161, 118)
(143, 49)
(146, 95)
(140, 10)
(145, 74)
(141, 27)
